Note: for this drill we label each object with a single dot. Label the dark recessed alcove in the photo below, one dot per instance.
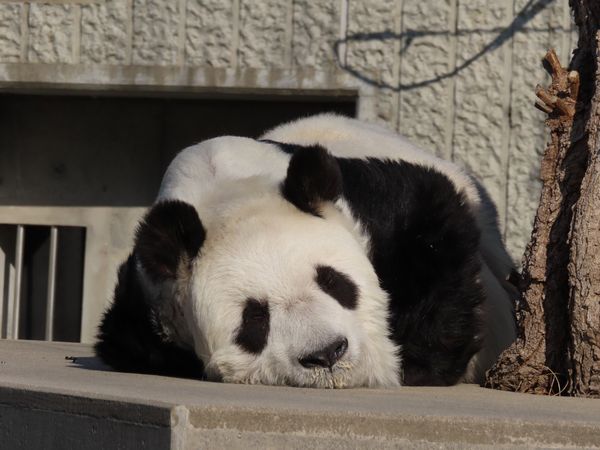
(111, 150)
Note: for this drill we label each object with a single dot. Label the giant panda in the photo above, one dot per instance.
(328, 253)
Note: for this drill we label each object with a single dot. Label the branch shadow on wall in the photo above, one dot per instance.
(530, 10)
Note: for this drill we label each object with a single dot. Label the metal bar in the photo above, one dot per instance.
(10, 296)
(2, 289)
(18, 275)
(51, 283)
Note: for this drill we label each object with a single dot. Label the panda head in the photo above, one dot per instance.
(276, 289)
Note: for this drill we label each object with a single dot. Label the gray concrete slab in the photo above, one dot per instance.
(49, 390)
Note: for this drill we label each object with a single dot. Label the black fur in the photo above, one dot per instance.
(424, 248)
(254, 331)
(424, 244)
(290, 149)
(313, 176)
(338, 286)
(170, 234)
(128, 339)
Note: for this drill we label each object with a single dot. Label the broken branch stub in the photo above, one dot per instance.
(561, 96)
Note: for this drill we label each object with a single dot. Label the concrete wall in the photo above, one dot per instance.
(456, 76)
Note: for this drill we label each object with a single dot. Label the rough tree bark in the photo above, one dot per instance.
(558, 313)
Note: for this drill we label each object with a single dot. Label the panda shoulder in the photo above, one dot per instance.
(344, 137)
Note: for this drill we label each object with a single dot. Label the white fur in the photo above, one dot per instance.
(259, 246)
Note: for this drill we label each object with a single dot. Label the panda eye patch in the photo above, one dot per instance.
(254, 330)
(338, 286)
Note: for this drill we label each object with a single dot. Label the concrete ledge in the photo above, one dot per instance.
(55, 395)
(156, 79)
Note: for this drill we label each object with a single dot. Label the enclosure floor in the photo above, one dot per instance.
(58, 395)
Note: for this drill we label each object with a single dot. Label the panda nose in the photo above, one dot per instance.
(327, 356)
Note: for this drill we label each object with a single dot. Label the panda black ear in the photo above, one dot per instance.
(169, 236)
(313, 177)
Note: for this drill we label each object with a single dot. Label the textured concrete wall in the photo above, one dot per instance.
(456, 76)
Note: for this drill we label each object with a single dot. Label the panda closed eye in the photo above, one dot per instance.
(337, 285)
(254, 329)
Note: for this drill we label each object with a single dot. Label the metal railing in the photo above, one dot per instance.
(12, 271)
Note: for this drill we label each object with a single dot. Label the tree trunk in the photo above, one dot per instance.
(558, 346)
